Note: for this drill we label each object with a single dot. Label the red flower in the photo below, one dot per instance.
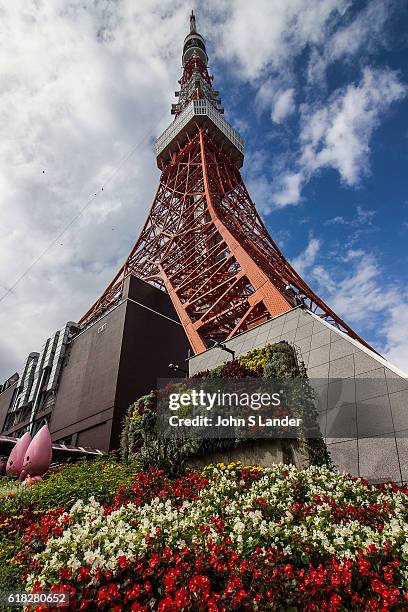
(182, 598)
(288, 569)
(134, 592)
(113, 590)
(166, 605)
(84, 573)
(155, 560)
(65, 574)
(200, 583)
(363, 566)
(103, 596)
(335, 599)
(240, 596)
(122, 562)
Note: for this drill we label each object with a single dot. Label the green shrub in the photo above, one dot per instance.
(7, 486)
(100, 477)
(15, 497)
(10, 571)
(130, 439)
(140, 441)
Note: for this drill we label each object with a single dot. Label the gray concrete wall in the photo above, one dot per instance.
(362, 394)
(257, 452)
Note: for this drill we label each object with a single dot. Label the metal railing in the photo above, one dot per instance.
(199, 107)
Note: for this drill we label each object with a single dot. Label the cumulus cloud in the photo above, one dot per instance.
(364, 33)
(305, 260)
(366, 30)
(277, 98)
(284, 105)
(288, 188)
(269, 34)
(337, 134)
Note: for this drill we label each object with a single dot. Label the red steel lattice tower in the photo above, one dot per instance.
(203, 241)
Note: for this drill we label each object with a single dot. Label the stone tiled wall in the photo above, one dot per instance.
(361, 394)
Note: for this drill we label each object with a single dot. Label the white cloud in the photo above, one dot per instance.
(339, 220)
(365, 33)
(263, 40)
(303, 262)
(277, 98)
(268, 34)
(337, 134)
(288, 189)
(283, 105)
(366, 299)
(361, 294)
(396, 331)
(362, 217)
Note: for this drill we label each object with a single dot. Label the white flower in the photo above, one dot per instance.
(239, 527)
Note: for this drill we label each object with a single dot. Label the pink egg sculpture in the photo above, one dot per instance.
(38, 455)
(17, 455)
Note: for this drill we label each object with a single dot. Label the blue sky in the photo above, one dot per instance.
(318, 89)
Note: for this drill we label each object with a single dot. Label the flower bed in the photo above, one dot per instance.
(22, 507)
(227, 538)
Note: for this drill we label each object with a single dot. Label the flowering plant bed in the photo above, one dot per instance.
(228, 537)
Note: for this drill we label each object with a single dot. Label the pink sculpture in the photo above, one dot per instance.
(38, 456)
(17, 455)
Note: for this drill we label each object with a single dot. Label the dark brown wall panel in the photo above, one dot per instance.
(150, 343)
(89, 376)
(5, 399)
(96, 437)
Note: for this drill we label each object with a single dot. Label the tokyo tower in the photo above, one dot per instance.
(204, 242)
